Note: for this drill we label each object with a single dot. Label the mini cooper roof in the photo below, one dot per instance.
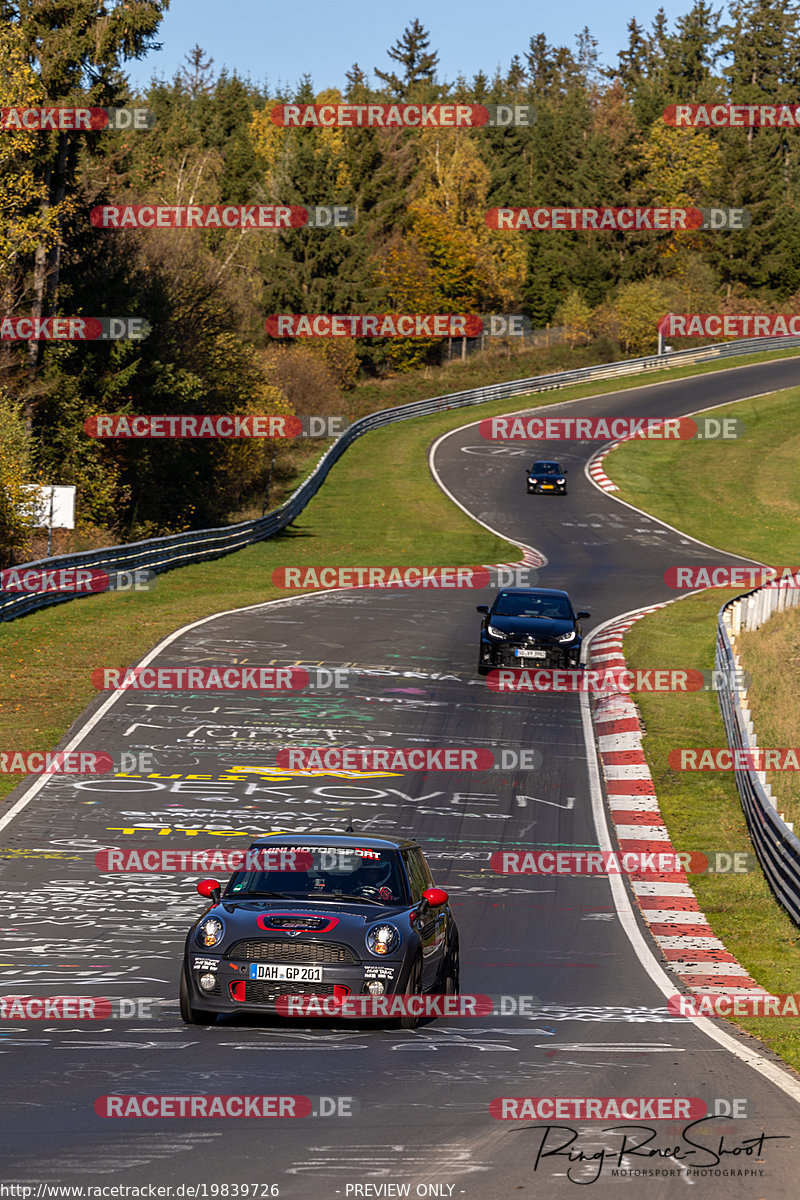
(333, 839)
(536, 591)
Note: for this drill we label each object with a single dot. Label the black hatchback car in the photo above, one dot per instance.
(547, 477)
(530, 627)
(354, 916)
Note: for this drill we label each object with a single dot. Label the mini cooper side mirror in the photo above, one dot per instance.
(482, 608)
(433, 898)
(582, 614)
(210, 889)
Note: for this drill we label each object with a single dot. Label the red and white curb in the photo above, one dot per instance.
(530, 558)
(666, 901)
(595, 468)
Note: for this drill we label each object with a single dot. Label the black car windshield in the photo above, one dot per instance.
(361, 873)
(511, 604)
(545, 468)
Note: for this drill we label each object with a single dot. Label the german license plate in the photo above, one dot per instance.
(531, 653)
(285, 971)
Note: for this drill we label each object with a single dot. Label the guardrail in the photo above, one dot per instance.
(179, 549)
(775, 843)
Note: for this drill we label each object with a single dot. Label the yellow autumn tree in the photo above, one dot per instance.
(270, 140)
(26, 221)
(16, 521)
(575, 315)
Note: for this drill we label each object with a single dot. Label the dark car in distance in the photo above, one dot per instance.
(530, 627)
(547, 477)
(359, 916)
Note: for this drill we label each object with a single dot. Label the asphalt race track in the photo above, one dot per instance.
(414, 1105)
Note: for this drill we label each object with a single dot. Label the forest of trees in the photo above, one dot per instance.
(420, 242)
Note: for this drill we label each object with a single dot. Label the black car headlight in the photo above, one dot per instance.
(383, 939)
(494, 632)
(210, 931)
(532, 479)
(567, 637)
(560, 481)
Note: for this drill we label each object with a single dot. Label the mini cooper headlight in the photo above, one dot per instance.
(567, 637)
(383, 939)
(210, 931)
(560, 481)
(493, 631)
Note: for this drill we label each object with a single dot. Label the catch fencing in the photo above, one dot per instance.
(773, 839)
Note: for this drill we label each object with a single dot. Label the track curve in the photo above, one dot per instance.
(600, 1026)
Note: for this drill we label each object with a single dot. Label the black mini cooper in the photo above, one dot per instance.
(547, 477)
(343, 915)
(530, 627)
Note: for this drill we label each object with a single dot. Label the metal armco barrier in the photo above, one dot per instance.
(179, 549)
(777, 847)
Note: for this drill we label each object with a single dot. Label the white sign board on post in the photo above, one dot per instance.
(51, 506)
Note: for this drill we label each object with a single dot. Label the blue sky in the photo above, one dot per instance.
(279, 42)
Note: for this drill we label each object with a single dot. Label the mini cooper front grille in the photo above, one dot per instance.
(291, 950)
(263, 991)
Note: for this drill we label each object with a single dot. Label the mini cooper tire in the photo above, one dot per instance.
(452, 974)
(483, 668)
(413, 988)
(193, 1016)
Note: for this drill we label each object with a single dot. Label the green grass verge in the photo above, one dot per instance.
(742, 496)
(771, 656)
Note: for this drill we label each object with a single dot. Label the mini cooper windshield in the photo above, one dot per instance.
(358, 876)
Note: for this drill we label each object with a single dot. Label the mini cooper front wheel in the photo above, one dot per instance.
(193, 1016)
(452, 975)
(413, 988)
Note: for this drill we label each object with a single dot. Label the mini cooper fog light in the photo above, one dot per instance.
(375, 987)
(207, 981)
(383, 939)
